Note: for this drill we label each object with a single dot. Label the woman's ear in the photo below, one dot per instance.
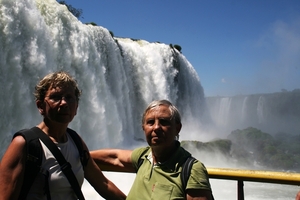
(76, 109)
(40, 105)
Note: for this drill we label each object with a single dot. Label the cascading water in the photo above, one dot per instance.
(271, 113)
(118, 76)
(244, 109)
(224, 110)
(260, 111)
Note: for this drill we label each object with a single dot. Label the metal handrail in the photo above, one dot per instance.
(241, 175)
(255, 175)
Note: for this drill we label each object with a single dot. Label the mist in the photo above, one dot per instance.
(118, 78)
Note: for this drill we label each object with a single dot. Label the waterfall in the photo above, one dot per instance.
(244, 109)
(224, 110)
(118, 76)
(271, 113)
(260, 109)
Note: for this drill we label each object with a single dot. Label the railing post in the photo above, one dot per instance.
(240, 190)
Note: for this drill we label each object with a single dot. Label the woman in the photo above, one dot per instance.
(159, 165)
(57, 97)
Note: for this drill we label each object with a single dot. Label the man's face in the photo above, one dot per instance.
(159, 128)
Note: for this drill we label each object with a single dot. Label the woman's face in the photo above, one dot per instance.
(60, 104)
(159, 128)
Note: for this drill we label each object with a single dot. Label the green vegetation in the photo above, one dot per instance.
(75, 11)
(91, 23)
(178, 47)
(214, 146)
(111, 33)
(253, 148)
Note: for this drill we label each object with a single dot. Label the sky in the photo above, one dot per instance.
(237, 47)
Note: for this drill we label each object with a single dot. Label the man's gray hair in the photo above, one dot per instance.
(174, 111)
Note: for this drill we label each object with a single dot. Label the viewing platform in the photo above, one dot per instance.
(241, 175)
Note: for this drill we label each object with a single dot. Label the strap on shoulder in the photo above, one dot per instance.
(186, 171)
(64, 165)
(33, 160)
(84, 155)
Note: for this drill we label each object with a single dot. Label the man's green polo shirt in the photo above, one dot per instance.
(162, 181)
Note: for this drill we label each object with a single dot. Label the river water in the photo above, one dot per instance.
(118, 77)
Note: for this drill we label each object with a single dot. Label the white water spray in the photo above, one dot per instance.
(119, 77)
(260, 109)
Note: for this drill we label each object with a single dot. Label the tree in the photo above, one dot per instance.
(178, 47)
(77, 12)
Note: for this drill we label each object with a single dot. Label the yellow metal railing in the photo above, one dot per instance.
(241, 175)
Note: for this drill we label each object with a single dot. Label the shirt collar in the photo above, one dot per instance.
(150, 156)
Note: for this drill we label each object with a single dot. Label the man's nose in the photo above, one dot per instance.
(157, 125)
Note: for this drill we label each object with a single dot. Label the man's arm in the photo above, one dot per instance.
(12, 169)
(101, 184)
(118, 160)
(199, 194)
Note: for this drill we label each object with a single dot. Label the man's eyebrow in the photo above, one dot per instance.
(165, 118)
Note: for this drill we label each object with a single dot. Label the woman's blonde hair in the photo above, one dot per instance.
(56, 79)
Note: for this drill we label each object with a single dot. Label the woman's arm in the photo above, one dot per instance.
(12, 169)
(102, 185)
(113, 160)
(298, 196)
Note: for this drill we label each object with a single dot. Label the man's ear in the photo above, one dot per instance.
(41, 106)
(178, 127)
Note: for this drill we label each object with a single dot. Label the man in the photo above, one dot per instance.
(159, 165)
